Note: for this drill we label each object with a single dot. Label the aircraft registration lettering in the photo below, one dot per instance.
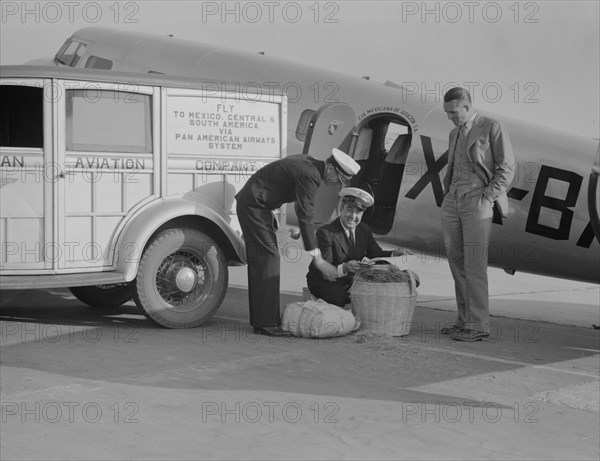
(541, 200)
(434, 167)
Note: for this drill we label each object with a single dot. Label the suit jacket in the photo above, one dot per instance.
(335, 246)
(291, 179)
(490, 150)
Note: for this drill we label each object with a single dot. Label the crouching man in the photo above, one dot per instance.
(344, 242)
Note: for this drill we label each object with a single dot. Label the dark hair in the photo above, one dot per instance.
(457, 94)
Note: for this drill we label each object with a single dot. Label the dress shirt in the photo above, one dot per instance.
(340, 268)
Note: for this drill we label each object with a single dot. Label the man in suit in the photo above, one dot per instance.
(480, 168)
(344, 242)
(290, 179)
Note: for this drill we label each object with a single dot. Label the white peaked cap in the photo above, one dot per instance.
(357, 196)
(345, 162)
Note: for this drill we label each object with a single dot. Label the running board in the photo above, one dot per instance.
(25, 282)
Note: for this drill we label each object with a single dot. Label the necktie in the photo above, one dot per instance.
(351, 238)
(460, 129)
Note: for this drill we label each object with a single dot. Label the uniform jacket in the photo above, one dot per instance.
(490, 150)
(335, 246)
(291, 179)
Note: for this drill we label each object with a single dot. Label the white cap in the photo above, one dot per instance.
(344, 163)
(357, 197)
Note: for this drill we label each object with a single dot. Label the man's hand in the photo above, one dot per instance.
(354, 266)
(401, 252)
(294, 232)
(328, 270)
(415, 276)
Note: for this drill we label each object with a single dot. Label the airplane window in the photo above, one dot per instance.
(303, 124)
(71, 54)
(58, 59)
(108, 121)
(96, 62)
(21, 116)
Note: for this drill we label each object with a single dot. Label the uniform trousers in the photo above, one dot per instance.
(467, 224)
(262, 254)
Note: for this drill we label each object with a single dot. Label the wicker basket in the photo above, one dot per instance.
(385, 308)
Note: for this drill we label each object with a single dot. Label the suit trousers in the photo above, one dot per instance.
(332, 292)
(262, 253)
(467, 224)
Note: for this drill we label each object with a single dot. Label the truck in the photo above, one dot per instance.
(121, 185)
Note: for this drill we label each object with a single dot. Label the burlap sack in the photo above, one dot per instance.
(316, 319)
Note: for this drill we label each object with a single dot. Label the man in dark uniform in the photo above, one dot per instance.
(344, 242)
(290, 179)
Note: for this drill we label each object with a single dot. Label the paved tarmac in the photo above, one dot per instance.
(84, 383)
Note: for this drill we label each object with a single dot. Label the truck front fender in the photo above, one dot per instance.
(142, 225)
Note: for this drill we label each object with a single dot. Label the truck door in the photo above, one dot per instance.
(330, 127)
(106, 156)
(26, 189)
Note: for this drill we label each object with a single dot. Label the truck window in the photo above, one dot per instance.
(21, 116)
(108, 121)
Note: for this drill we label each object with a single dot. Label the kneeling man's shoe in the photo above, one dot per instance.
(470, 335)
(271, 331)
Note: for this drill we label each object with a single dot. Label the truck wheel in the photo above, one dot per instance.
(182, 279)
(104, 296)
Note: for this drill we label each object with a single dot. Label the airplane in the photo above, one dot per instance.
(400, 140)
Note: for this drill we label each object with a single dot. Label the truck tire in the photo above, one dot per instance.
(104, 296)
(182, 279)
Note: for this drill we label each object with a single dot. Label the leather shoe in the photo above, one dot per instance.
(470, 335)
(271, 331)
(451, 330)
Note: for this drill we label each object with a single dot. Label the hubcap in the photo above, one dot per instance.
(180, 279)
(185, 279)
